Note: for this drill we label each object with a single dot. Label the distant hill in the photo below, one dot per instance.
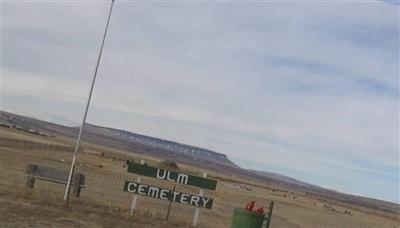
(161, 146)
(122, 139)
(182, 153)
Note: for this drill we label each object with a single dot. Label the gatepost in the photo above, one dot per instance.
(197, 210)
(135, 196)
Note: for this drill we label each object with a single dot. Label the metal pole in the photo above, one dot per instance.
(170, 204)
(269, 216)
(71, 172)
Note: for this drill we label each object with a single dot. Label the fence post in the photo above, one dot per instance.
(170, 204)
(30, 181)
(271, 206)
(135, 196)
(77, 182)
(197, 210)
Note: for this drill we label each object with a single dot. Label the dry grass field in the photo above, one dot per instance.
(103, 203)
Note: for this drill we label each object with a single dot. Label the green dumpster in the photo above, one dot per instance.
(247, 219)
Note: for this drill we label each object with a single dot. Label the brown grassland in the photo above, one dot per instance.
(103, 203)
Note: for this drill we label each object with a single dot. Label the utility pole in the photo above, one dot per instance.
(72, 169)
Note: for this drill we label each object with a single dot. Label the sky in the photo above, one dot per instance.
(307, 89)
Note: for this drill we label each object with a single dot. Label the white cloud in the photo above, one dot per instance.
(282, 80)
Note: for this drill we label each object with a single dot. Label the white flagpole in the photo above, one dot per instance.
(71, 172)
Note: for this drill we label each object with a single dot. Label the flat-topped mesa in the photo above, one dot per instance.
(172, 148)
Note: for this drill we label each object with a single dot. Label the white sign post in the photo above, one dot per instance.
(135, 196)
(197, 210)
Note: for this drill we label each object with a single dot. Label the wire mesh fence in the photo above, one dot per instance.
(105, 188)
(104, 184)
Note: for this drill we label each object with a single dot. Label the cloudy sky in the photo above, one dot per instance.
(305, 89)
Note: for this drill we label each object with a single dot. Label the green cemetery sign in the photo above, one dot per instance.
(179, 178)
(166, 194)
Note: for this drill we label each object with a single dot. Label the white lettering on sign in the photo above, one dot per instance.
(166, 175)
(205, 201)
(166, 194)
(194, 201)
(182, 178)
(163, 194)
(153, 192)
(142, 189)
(184, 198)
(132, 187)
(159, 175)
(175, 195)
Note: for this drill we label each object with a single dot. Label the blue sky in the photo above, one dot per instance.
(305, 89)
